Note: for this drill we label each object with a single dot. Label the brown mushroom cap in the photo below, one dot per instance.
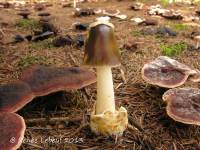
(14, 96)
(44, 14)
(44, 80)
(24, 13)
(40, 81)
(101, 46)
(166, 72)
(12, 128)
(183, 105)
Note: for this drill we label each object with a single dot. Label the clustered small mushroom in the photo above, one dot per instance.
(101, 52)
(35, 81)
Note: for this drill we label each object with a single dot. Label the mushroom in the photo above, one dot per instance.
(45, 80)
(74, 4)
(183, 105)
(101, 52)
(137, 6)
(12, 128)
(166, 72)
(114, 13)
(24, 14)
(44, 14)
(197, 39)
(40, 81)
(14, 95)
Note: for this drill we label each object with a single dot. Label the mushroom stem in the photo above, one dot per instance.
(197, 45)
(105, 92)
(74, 3)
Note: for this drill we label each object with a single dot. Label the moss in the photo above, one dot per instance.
(137, 33)
(178, 26)
(28, 24)
(46, 44)
(31, 60)
(174, 49)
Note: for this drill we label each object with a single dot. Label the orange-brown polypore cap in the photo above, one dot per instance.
(183, 105)
(44, 80)
(166, 72)
(14, 95)
(101, 46)
(12, 128)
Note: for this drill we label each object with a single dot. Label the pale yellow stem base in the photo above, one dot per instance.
(109, 123)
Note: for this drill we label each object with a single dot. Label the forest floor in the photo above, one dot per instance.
(155, 130)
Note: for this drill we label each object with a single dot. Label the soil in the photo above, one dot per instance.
(152, 128)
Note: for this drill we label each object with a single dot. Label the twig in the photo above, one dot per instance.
(34, 145)
(52, 120)
(135, 124)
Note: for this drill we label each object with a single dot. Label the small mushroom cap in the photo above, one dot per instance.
(42, 14)
(44, 80)
(166, 72)
(183, 105)
(12, 128)
(24, 13)
(101, 45)
(14, 96)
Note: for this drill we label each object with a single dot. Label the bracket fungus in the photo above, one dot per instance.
(40, 81)
(183, 105)
(166, 72)
(44, 80)
(101, 52)
(12, 129)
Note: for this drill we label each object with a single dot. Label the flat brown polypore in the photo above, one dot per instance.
(183, 105)
(14, 96)
(12, 128)
(40, 81)
(166, 72)
(101, 47)
(44, 80)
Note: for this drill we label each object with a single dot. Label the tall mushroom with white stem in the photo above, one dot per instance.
(101, 52)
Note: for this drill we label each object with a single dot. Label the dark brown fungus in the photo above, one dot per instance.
(12, 128)
(183, 105)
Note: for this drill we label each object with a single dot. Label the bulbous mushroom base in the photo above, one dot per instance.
(109, 123)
